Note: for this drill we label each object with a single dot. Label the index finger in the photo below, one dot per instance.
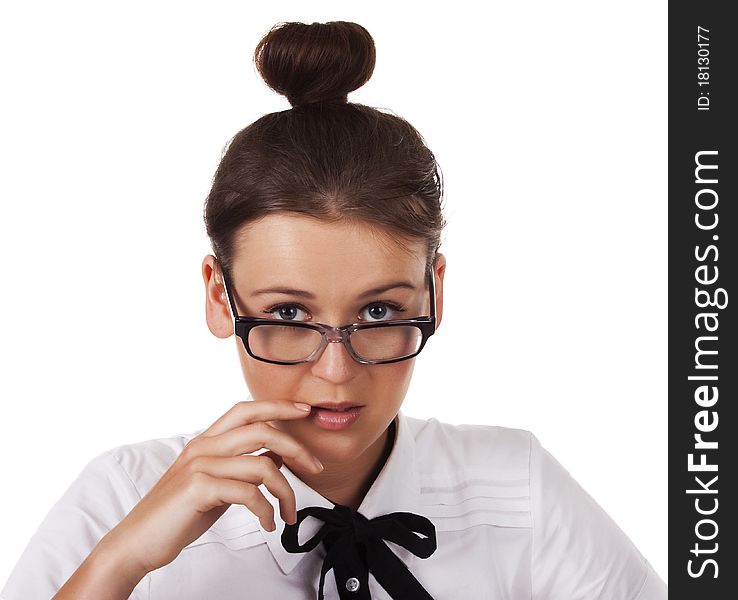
(252, 411)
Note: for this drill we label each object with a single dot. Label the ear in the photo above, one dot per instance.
(440, 271)
(217, 313)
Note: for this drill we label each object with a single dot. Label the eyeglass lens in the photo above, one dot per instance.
(287, 344)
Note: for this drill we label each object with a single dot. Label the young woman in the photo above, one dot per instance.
(325, 222)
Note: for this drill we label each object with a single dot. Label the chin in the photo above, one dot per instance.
(336, 445)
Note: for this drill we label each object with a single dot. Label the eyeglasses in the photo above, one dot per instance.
(295, 342)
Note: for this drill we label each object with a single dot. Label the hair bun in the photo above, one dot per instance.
(316, 63)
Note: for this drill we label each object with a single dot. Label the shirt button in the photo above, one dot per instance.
(352, 584)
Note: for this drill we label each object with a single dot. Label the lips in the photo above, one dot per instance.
(335, 416)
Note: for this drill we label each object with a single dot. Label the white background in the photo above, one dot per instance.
(549, 122)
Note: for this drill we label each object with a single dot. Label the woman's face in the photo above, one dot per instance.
(336, 264)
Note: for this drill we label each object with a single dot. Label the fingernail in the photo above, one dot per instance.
(318, 463)
(302, 406)
(274, 526)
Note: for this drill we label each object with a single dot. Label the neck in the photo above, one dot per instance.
(348, 484)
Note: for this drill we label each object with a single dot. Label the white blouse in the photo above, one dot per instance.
(511, 523)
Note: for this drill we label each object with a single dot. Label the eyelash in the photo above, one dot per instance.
(395, 307)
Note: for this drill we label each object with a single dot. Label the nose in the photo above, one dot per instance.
(335, 364)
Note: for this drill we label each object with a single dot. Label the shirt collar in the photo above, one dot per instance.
(396, 488)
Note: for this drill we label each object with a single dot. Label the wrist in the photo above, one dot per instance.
(107, 572)
(113, 556)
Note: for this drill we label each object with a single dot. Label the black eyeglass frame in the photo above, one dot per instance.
(244, 324)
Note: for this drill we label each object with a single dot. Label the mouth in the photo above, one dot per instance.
(335, 416)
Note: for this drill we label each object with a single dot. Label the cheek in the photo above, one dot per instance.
(266, 381)
(394, 378)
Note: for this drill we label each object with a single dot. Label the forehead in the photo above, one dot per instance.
(296, 249)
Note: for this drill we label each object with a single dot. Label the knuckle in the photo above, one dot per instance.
(265, 464)
(247, 407)
(197, 483)
(262, 429)
(191, 448)
(251, 494)
(196, 464)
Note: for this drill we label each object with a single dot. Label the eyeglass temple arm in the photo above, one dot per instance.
(432, 286)
(228, 286)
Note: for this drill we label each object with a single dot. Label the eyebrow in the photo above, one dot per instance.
(311, 296)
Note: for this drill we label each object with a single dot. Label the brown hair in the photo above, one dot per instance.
(326, 158)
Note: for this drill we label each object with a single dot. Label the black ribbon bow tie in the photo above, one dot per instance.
(354, 546)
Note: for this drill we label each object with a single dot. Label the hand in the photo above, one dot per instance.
(208, 476)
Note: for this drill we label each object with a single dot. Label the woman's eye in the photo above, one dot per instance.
(383, 311)
(285, 312)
